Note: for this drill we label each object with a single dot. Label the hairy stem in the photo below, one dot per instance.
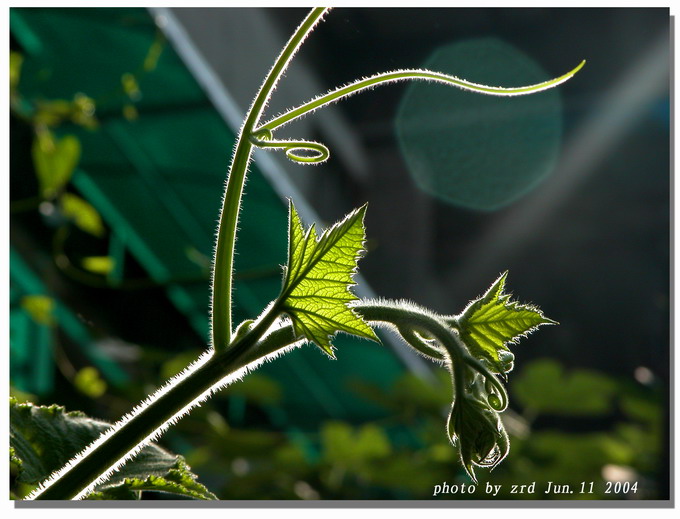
(411, 317)
(231, 203)
(153, 417)
(404, 75)
(268, 336)
(94, 464)
(212, 371)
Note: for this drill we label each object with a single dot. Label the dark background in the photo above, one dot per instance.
(590, 245)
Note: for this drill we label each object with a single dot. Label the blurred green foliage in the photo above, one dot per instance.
(545, 388)
(55, 160)
(56, 154)
(82, 214)
(245, 456)
(89, 382)
(233, 444)
(40, 308)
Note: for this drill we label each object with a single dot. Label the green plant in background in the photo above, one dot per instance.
(314, 304)
(56, 156)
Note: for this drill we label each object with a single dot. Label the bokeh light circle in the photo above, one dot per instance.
(476, 151)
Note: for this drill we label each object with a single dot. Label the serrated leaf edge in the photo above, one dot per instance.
(349, 220)
(179, 466)
(495, 294)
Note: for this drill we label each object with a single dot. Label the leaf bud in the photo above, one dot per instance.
(478, 431)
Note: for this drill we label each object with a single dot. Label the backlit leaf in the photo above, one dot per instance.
(52, 112)
(83, 110)
(99, 264)
(490, 323)
(131, 87)
(44, 438)
(88, 382)
(55, 160)
(175, 478)
(16, 59)
(82, 213)
(318, 278)
(40, 307)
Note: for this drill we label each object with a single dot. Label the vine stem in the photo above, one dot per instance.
(222, 276)
(406, 316)
(267, 338)
(316, 152)
(405, 75)
(411, 320)
(224, 361)
(128, 436)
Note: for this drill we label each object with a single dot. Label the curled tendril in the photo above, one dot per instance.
(494, 393)
(497, 395)
(427, 347)
(316, 152)
(474, 423)
(263, 138)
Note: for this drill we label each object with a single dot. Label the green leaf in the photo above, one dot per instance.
(82, 111)
(490, 323)
(131, 87)
(545, 387)
(318, 277)
(44, 438)
(89, 382)
(347, 446)
(158, 475)
(55, 160)
(82, 213)
(16, 59)
(99, 264)
(258, 389)
(40, 307)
